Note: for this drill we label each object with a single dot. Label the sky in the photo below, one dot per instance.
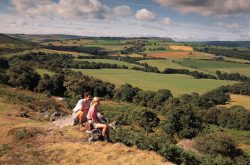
(181, 20)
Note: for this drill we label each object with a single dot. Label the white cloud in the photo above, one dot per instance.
(63, 8)
(166, 21)
(145, 15)
(123, 10)
(208, 7)
(229, 26)
(248, 34)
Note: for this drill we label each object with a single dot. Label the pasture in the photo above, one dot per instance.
(177, 83)
(163, 64)
(212, 66)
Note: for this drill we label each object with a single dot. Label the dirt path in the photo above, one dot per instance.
(64, 121)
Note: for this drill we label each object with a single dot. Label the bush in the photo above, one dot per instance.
(126, 93)
(216, 143)
(148, 120)
(23, 76)
(184, 122)
(235, 117)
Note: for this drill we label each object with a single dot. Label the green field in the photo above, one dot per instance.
(109, 61)
(163, 64)
(43, 71)
(177, 83)
(213, 66)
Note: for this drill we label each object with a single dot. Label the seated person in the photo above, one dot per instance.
(95, 121)
(81, 109)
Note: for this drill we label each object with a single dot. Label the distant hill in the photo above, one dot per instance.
(44, 37)
(58, 37)
(10, 44)
(245, 44)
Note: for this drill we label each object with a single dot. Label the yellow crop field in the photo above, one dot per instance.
(184, 48)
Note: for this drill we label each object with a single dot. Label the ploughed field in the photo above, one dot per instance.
(177, 83)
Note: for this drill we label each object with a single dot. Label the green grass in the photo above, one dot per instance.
(177, 83)
(213, 66)
(163, 64)
(43, 71)
(120, 63)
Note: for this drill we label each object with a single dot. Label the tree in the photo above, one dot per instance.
(23, 76)
(144, 98)
(44, 85)
(148, 120)
(161, 96)
(57, 81)
(126, 93)
(184, 122)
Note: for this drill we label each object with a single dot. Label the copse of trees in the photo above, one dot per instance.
(23, 76)
(56, 62)
(76, 83)
(236, 117)
(232, 76)
(148, 120)
(183, 121)
(213, 98)
(233, 53)
(94, 65)
(4, 65)
(195, 74)
(89, 50)
(240, 88)
(126, 93)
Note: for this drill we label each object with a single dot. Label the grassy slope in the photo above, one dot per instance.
(178, 84)
(75, 54)
(120, 63)
(10, 43)
(213, 66)
(28, 141)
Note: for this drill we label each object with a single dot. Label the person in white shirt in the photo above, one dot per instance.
(81, 109)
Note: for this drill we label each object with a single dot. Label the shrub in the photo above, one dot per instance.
(148, 120)
(184, 122)
(126, 93)
(216, 143)
(23, 76)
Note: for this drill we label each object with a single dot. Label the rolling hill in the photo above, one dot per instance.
(12, 44)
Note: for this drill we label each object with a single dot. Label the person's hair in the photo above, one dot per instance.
(85, 94)
(95, 99)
